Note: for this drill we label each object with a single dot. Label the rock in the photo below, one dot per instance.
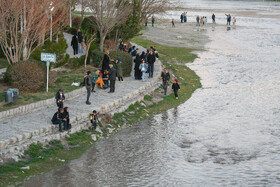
(61, 160)
(25, 168)
(94, 138)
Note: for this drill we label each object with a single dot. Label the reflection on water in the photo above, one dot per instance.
(227, 134)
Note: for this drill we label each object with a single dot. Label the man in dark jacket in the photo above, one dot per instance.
(88, 85)
(74, 44)
(60, 98)
(137, 72)
(106, 61)
(151, 62)
(58, 119)
(165, 79)
(112, 78)
(67, 117)
(80, 40)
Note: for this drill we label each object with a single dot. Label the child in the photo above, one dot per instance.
(175, 87)
(173, 23)
(143, 68)
(93, 120)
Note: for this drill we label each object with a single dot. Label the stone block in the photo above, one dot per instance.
(27, 135)
(79, 117)
(2, 144)
(19, 138)
(13, 140)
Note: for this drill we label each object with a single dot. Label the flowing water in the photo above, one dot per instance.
(226, 134)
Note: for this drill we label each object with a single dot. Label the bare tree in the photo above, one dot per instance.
(107, 14)
(72, 7)
(18, 43)
(151, 7)
(90, 38)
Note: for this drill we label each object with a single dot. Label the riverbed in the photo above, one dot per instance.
(226, 134)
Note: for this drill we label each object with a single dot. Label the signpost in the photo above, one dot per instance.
(48, 57)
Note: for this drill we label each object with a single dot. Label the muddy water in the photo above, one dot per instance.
(227, 134)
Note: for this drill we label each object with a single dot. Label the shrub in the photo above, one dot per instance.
(75, 63)
(63, 62)
(77, 21)
(97, 57)
(89, 25)
(28, 76)
(110, 45)
(126, 61)
(2, 55)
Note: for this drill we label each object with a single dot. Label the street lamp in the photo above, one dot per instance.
(51, 9)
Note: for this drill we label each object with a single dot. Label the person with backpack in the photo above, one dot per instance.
(60, 98)
(93, 120)
(175, 88)
(165, 79)
(88, 85)
(58, 119)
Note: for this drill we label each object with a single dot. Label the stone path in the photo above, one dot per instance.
(69, 50)
(38, 122)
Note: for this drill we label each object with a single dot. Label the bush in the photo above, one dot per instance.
(28, 76)
(97, 57)
(75, 63)
(63, 62)
(89, 25)
(110, 45)
(77, 21)
(126, 61)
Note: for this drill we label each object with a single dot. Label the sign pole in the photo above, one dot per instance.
(48, 65)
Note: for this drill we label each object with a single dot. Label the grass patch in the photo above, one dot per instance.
(3, 63)
(174, 58)
(44, 158)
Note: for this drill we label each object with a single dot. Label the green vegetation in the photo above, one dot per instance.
(44, 158)
(3, 63)
(174, 58)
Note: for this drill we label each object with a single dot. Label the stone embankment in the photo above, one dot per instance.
(32, 123)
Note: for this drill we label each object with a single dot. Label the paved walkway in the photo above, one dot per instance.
(70, 50)
(41, 118)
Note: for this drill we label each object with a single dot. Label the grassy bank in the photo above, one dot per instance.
(42, 159)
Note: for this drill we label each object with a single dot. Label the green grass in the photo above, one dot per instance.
(78, 13)
(3, 63)
(174, 58)
(42, 159)
(65, 79)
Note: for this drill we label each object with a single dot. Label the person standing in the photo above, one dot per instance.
(185, 17)
(106, 61)
(153, 21)
(93, 120)
(119, 69)
(137, 73)
(175, 88)
(165, 79)
(74, 44)
(233, 20)
(173, 23)
(143, 68)
(88, 85)
(60, 98)
(80, 40)
(197, 20)
(182, 17)
(94, 78)
(112, 78)
(214, 18)
(151, 62)
(205, 21)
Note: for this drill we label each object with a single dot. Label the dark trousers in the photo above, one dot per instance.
(93, 125)
(93, 86)
(112, 85)
(75, 50)
(59, 122)
(176, 93)
(88, 94)
(165, 85)
(59, 104)
(120, 78)
(151, 70)
(106, 83)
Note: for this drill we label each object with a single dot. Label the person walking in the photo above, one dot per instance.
(153, 21)
(93, 120)
(119, 69)
(143, 68)
(213, 18)
(88, 85)
(112, 78)
(80, 41)
(60, 98)
(58, 119)
(151, 62)
(175, 88)
(165, 79)
(173, 23)
(74, 44)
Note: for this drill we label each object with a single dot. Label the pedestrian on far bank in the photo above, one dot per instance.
(182, 17)
(205, 21)
(165, 79)
(88, 85)
(197, 20)
(228, 19)
(74, 44)
(119, 69)
(58, 119)
(173, 23)
(151, 62)
(153, 21)
(94, 120)
(60, 98)
(185, 17)
(112, 78)
(213, 18)
(233, 20)
(175, 88)
(80, 40)
(143, 68)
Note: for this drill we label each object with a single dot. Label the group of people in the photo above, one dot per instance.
(184, 17)
(78, 43)
(144, 62)
(229, 19)
(62, 115)
(201, 21)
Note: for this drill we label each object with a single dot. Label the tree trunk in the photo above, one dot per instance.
(70, 17)
(102, 39)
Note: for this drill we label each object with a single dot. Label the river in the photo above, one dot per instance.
(226, 134)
